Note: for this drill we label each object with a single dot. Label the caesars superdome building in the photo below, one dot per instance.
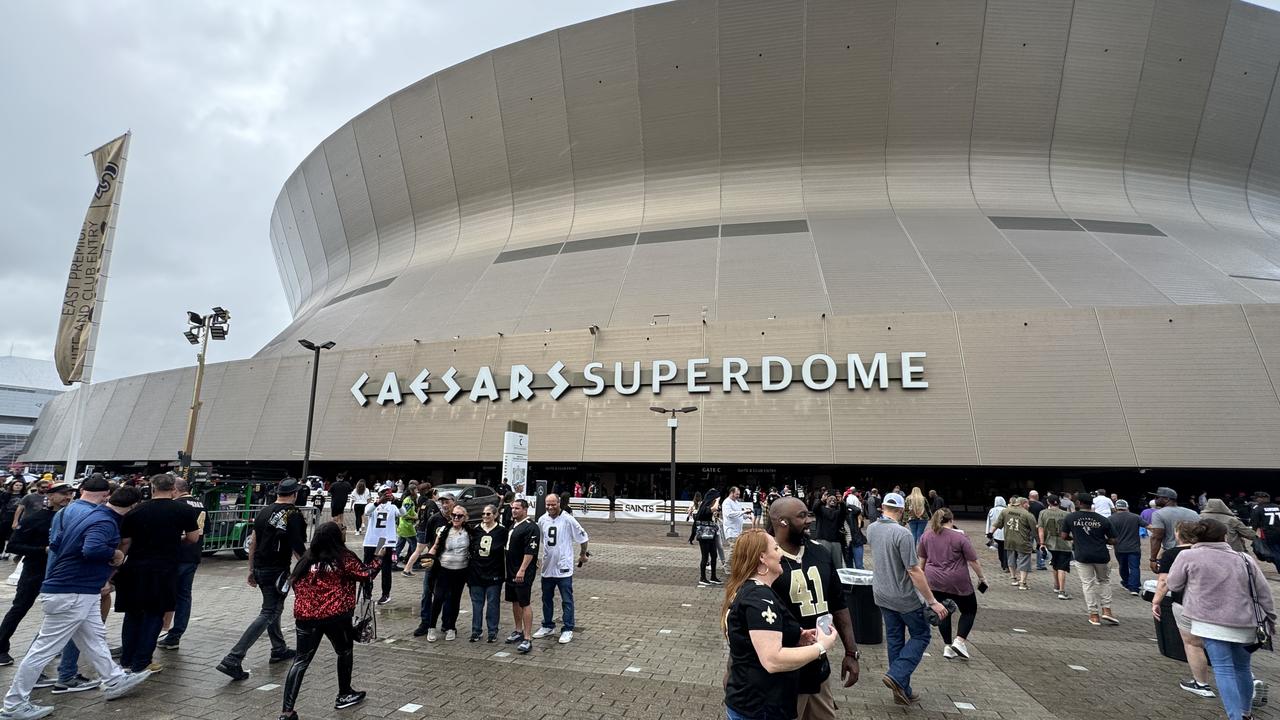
(962, 242)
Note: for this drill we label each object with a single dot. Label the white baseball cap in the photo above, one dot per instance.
(893, 500)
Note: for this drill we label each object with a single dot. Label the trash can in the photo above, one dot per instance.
(1168, 639)
(868, 625)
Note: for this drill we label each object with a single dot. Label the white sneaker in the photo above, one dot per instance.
(1064, 595)
(542, 632)
(26, 711)
(124, 685)
(566, 637)
(949, 653)
(961, 648)
(1259, 695)
(433, 635)
(450, 635)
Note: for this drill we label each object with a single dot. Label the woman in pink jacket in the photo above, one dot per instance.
(1226, 597)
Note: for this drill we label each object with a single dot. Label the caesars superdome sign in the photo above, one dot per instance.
(819, 372)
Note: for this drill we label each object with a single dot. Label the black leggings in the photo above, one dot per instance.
(968, 605)
(447, 598)
(384, 570)
(358, 511)
(310, 633)
(708, 558)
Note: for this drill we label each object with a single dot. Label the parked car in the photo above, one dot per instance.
(472, 497)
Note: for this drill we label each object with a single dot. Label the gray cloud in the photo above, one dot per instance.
(225, 100)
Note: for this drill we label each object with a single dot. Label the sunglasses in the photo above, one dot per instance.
(459, 517)
(486, 513)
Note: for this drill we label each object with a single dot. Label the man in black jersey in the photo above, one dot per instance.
(1265, 518)
(811, 588)
(523, 541)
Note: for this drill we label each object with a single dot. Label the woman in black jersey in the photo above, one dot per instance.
(705, 531)
(766, 644)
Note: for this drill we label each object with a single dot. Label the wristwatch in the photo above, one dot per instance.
(822, 649)
(855, 654)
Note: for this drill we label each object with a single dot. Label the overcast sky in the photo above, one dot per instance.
(225, 99)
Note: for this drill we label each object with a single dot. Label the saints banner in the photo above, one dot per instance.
(85, 284)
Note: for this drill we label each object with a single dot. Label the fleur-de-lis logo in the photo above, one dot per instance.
(769, 615)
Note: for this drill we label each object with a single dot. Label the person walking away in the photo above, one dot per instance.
(704, 531)
(1090, 534)
(560, 532)
(1188, 534)
(360, 499)
(857, 538)
(32, 501)
(736, 514)
(1102, 504)
(936, 502)
(902, 593)
(147, 583)
(1036, 507)
(279, 536)
(324, 599)
(832, 520)
(1239, 535)
(427, 536)
(84, 541)
(406, 532)
(381, 521)
(1265, 519)
(995, 533)
(451, 551)
(810, 588)
(1019, 530)
(30, 542)
(1049, 528)
(767, 647)
(948, 556)
(1128, 548)
(488, 566)
(189, 554)
(1166, 517)
(917, 513)
(339, 492)
(9, 499)
(1228, 601)
(523, 540)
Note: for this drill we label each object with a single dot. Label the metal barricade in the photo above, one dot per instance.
(230, 528)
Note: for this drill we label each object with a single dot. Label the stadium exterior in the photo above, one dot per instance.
(1067, 214)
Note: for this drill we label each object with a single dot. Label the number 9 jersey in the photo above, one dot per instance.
(810, 586)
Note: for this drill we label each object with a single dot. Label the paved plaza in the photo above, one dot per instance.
(648, 647)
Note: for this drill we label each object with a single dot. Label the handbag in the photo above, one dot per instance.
(1262, 623)
(364, 621)
(705, 531)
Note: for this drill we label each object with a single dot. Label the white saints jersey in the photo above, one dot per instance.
(380, 522)
(558, 537)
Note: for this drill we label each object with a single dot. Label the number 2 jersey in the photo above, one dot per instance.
(810, 587)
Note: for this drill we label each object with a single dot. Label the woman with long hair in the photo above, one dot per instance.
(766, 644)
(706, 531)
(948, 555)
(359, 500)
(324, 598)
(1228, 601)
(917, 513)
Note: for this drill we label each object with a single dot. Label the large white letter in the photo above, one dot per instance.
(521, 376)
(766, 373)
(859, 373)
(589, 372)
(390, 391)
(731, 374)
(635, 379)
(659, 376)
(693, 375)
(909, 370)
(806, 372)
(484, 385)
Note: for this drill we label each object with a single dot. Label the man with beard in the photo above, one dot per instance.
(811, 588)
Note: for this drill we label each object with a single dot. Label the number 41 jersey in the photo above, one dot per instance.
(811, 587)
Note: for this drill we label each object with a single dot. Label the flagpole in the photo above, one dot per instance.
(86, 377)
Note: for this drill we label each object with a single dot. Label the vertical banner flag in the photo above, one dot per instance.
(85, 283)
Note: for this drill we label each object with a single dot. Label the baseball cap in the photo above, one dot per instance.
(1122, 504)
(96, 482)
(61, 487)
(893, 500)
(1165, 492)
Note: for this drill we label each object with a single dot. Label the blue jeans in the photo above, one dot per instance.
(549, 585)
(1041, 556)
(428, 589)
(917, 528)
(486, 601)
(905, 653)
(182, 613)
(139, 633)
(853, 556)
(764, 713)
(70, 662)
(1130, 570)
(1235, 680)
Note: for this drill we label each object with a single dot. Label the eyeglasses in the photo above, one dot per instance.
(460, 517)
(486, 512)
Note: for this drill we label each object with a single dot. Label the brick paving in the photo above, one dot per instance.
(648, 647)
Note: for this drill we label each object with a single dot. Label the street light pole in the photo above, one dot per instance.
(672, 423)
(311, 406)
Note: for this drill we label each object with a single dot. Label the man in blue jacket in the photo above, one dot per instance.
(83, 549)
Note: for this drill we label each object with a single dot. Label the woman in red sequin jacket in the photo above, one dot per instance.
(324, 585)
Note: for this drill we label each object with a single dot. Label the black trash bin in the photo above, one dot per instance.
(1168, 639)
(868, 626)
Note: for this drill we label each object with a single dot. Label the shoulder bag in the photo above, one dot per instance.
(1263, 626)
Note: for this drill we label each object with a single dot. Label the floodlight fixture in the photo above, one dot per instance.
(192, 337)
(688, 409)
(194, 319)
